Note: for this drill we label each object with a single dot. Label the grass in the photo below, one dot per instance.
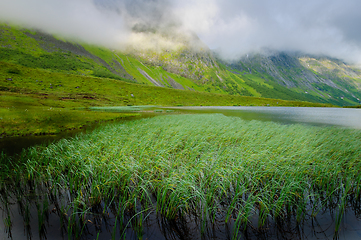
(203, 166)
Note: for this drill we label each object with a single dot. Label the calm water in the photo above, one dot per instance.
(158, 228)
(342, 117)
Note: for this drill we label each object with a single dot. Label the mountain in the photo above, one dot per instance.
(180, 60)
(321, 77)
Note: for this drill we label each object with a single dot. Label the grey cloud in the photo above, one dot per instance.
(347, 18)
(74, 19)
(154, 13)
(234, 27)
(314, 26)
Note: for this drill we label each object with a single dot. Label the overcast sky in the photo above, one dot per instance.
(232, 26)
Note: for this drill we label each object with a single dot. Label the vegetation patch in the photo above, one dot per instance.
(204, 166)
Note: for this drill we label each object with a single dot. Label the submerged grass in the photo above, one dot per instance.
(194, 165)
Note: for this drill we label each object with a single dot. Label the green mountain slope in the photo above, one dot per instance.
(190, 65)
(320, 78)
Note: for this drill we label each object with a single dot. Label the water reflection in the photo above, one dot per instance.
(14, 145)
(105, 223)
(344, 117)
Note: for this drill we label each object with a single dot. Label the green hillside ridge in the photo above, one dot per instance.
(47, 52)
(316, 78)
(276, 75)
(183, 68)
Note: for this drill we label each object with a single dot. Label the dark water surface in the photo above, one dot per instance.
(156, 227)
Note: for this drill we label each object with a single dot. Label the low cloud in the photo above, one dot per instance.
(238, 26)
(233, 27)
(75, 19)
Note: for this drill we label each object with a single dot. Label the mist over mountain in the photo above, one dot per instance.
(292, 51)
(232, 27)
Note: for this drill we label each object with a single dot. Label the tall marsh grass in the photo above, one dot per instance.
(202, 166)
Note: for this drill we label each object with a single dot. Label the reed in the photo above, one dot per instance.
(195, 165)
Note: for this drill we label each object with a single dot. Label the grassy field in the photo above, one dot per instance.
(38, 101)
(202, 166)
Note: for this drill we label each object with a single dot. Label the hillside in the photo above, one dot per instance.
(47, 84)
(320, 77)
(184, 63)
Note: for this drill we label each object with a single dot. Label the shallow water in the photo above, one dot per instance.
(155, 227)
(14, 145)
(341, 117)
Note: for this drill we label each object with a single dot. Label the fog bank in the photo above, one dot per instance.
(233, 27)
